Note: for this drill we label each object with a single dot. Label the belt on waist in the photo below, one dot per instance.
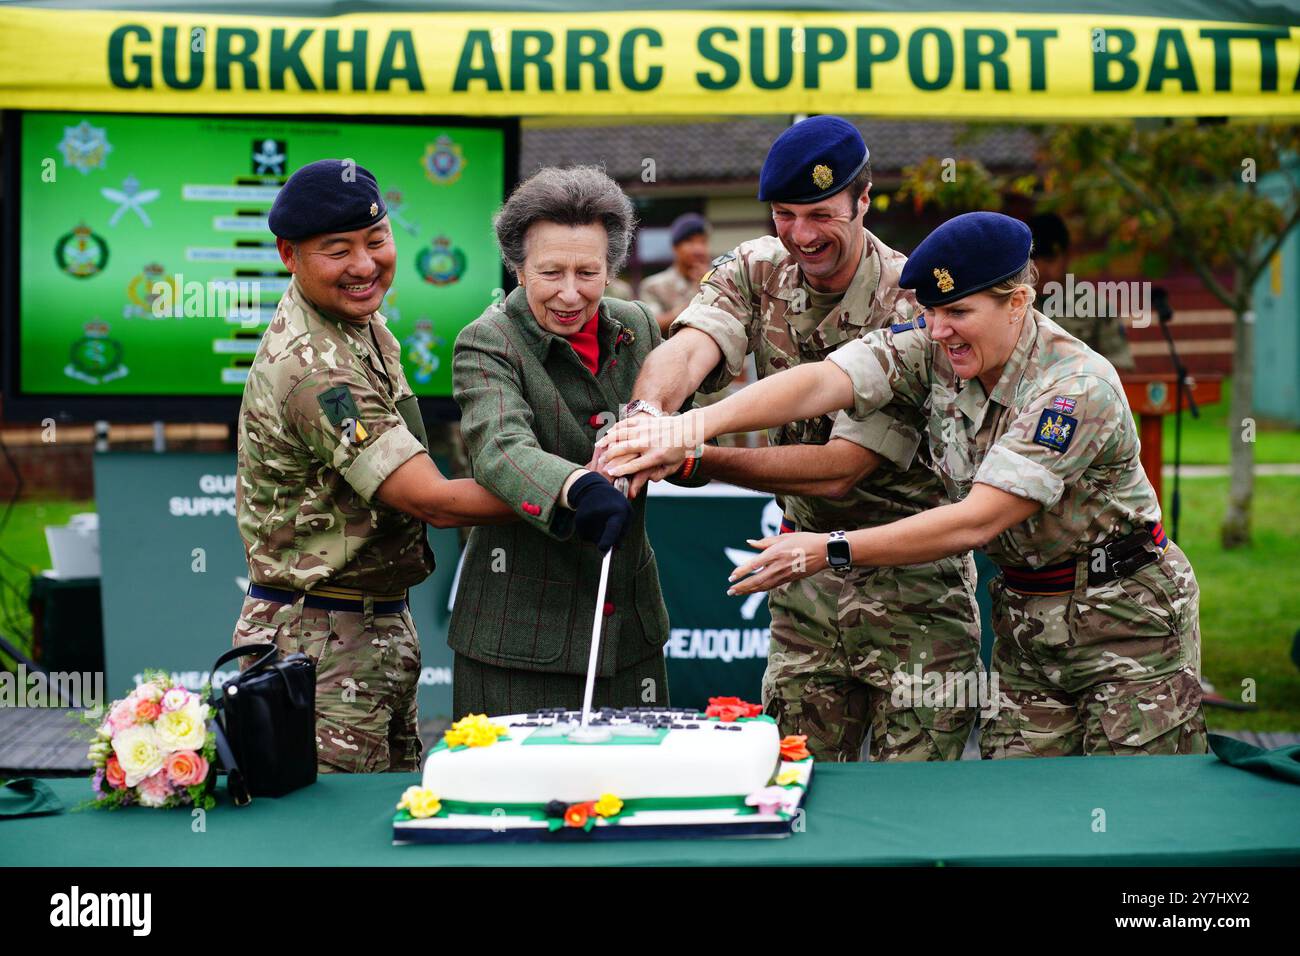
(331, 598)
(1123, 557)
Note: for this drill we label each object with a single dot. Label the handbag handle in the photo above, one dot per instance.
(235, 783)
(267, 650)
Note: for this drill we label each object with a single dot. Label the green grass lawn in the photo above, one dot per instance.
(1206, 439)
(1250, 600)
(23, 552)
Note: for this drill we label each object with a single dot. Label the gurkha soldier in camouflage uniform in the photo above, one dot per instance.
(842, 641)
(1096, 611)
(334, 482)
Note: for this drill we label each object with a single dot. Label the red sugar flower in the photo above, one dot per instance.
(728, 709)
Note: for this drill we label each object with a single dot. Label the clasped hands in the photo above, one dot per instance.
(648, 448)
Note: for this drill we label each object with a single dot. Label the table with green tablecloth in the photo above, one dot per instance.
(1155, 811)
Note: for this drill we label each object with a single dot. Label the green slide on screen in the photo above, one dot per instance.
(117, 207)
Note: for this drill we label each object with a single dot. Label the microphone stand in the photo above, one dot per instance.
(1165, 313)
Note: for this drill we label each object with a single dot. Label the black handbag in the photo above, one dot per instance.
(265, 723)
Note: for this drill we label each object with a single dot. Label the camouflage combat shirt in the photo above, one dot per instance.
(755, 300)
(1056, 429)
(319, 431)
(667, 290)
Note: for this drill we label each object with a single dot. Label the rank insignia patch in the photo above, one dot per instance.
(338, 404)
(1062, 404)
(1055, 431)
(909, 325)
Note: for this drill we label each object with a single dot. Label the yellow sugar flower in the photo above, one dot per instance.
(788, 776)
(420, 802)
(608, 805)
(473, 731)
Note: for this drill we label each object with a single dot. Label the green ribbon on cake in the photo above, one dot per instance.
(537, 811)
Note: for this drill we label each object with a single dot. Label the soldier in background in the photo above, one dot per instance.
(671, 291)
(843, 639)
(1102, 333)
(334, 483)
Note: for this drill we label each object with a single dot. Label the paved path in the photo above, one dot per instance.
(1221, 471)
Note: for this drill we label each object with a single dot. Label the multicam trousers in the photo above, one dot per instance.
(1113, 669)
(367, 673)
(846, 652)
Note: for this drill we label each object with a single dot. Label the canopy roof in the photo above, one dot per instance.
(1021, 59)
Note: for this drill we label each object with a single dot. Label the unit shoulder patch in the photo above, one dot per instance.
(1055, 430)
(338, 404)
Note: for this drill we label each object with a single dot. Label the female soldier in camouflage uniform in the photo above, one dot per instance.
(1096, 612)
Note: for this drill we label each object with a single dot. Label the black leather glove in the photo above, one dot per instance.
(601, 512)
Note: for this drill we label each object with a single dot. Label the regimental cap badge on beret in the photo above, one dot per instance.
(967, 254)
(812, 160)
(374, 208)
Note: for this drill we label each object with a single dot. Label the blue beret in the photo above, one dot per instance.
(329, 195)
(686, 225)
(812, 160)
(967, 254)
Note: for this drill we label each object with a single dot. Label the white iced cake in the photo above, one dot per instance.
(644, 770)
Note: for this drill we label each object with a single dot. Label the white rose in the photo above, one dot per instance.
(176, 699)
(139, 752)
(183, 729)
(148, 691)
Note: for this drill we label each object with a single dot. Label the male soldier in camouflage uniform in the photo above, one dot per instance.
(1103, 333)
(841, 642)
(1098, 644)
(334, 483)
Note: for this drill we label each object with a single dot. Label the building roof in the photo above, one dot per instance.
(733, 149)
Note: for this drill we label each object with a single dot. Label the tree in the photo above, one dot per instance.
(1180, 191)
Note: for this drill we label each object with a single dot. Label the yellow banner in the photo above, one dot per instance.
(1012, 65)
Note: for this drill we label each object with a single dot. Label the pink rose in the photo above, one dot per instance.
(185, 768)
(176, 699)
(154, 790)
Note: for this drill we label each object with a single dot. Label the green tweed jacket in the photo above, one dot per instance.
(530, 414)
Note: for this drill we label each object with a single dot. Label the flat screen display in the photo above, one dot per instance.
(146, 269)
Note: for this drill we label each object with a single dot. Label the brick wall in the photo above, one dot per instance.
(62, 469)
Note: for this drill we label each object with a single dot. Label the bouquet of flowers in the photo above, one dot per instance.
(153, 748)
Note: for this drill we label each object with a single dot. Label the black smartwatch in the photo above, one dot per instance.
(839, 556)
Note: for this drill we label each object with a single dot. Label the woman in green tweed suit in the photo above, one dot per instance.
(538, 378)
